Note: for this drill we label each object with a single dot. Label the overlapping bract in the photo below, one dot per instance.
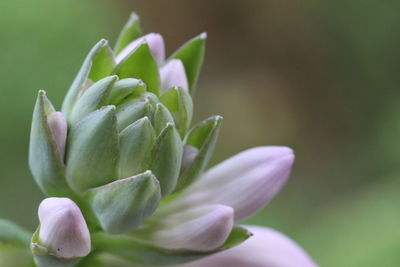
(123, 150)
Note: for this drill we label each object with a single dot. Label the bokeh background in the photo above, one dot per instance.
(319, 76)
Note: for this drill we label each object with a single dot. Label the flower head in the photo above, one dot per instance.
(124, 149)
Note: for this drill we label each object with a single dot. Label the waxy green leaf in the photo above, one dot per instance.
(93, 150)
(122, 205)
(12, 234)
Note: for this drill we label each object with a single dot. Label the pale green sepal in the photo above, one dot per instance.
(45, 258)
(45, 161)
(130, 112)
(140, 64)
(12, 234)
(202, 136)
(136, 142)
(192, 55)
(93, 150)
(137, 252)
(122, 205)
(165, 158)
(161, 118)
(98, 64)
(129, 33)
(93, 98)
(180, 104)
(126, 88)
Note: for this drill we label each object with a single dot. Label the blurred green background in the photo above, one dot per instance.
(319, 76)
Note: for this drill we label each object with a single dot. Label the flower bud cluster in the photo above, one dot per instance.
(125, 170)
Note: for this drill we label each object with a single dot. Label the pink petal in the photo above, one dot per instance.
(246, 181)
(156, 45)
(199, 229)
(63, 229)
(173, 74)
(267, 248)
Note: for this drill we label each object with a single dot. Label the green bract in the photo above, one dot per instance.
(129, 150)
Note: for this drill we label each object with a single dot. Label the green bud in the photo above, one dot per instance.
(161, 118)
(122, 205)
(93, 150)
(124, 89)
(136, 142)
(192, 55)
(45, 161)
(98, 64)
(202, 136)
(140, 64)
(130, 112)
(180, 104)
(93, 98)
(129, 32)
(165, 158)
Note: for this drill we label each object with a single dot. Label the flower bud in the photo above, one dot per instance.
(156, 45)
(58, 128)
(173, 74)
(63, 230)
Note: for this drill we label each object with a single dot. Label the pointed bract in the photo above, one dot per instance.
(122, 205)
(93, 150)
(192, 55)
(63, 230)
(140, 64)
(45, 148)
(129, 32)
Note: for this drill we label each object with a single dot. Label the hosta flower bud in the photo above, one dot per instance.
(156, 45)
(58, 128)
(63, 230)
(173, 74)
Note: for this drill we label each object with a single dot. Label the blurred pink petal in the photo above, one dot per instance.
(63, 229)
(267, 248)
(156, 45)
(199, 229)
(246, 181)
(58, 128)
(173, 74)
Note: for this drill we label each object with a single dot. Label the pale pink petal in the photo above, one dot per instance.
(199, 229)
(246, 181)
(173, 74)
(63, 229)
(267, 248)
(155, 42)
(58, 127)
